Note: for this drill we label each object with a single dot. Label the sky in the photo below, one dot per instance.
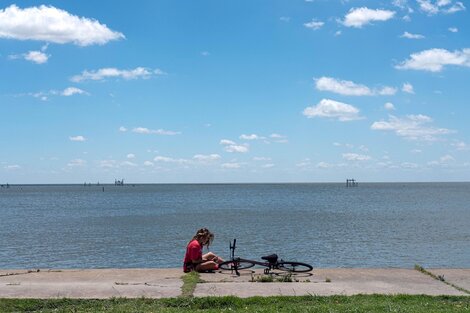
(217, 91)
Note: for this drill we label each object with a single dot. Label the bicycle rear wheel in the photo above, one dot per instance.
(235, 264)
(296, 267)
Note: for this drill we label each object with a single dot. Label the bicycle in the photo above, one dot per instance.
(272, 263)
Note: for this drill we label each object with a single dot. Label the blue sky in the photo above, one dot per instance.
(234, 91)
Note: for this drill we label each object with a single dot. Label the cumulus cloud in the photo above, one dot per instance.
(47, 23)
(440, 6)
(460, 145)
(12, 167)
(268, 165)
(148, 163)
(284, 19)
(77, 163)
(412, 127)
(131, 156)
(389, 106)
(355, 157)
(165, 159)
(412, 36)
(111, 72)
(408, 88)
(70, 91)
(251, 137)
(231, 146)
(324, 165)
(77, 138)
(232, 165)
(122, 129)
(453, 29)
(333, 109)
(206, 157)
(349, 88)
(358, 17)
(434, 60)
(314, 24)
(261, 159)
(146, 131)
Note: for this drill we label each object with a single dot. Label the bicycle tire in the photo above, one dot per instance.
(295, 267)
(240, 265)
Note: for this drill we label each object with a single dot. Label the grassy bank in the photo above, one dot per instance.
(360, 303)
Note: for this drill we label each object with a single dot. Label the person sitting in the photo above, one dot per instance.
(194, 260)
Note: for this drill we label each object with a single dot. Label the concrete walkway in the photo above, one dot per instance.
(162, 283)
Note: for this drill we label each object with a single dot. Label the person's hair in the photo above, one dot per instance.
(204, 233)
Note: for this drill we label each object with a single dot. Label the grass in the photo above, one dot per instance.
(359, 303)
(190, 280)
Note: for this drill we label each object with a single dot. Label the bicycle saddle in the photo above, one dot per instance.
(272, 258)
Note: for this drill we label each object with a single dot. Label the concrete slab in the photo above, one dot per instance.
(459, 277)
(92, 283)
(343, 281)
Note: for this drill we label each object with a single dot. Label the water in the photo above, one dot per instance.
(327, 225)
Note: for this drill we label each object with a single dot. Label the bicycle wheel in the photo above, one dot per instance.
(238, 264)
(296, 267)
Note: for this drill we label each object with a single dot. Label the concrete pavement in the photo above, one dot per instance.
(163, 283)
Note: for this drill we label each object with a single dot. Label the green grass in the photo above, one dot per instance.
(360, 303)
(190, 280)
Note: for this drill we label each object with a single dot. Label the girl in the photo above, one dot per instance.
(194, 259)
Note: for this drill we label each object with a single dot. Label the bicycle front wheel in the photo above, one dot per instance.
(235, 264)
(295, 267)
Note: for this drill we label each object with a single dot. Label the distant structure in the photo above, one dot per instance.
(119, 182)
(351, 183)
(5, 186)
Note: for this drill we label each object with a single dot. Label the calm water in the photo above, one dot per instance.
(327, 225)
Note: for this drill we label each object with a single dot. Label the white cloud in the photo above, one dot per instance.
(342, 87)
(165, 159)
(231, 165)
(108, 164)
(412, 36)
(324, 165)
(76, 163)
(131, 156)
(440, 6)
(416, 151)
(434, 60)
(314, 24)
(206, 157)
(408, 88)
(111, 72)
(349, 88)
(70, 91)
(358, 17)
(453, 29)
(122, 129)
(77, 138)
(387, 91)
(148, 163)
(236, 148)
(460, 145)
(227, 142)
(389, 106)
(284, 19)
(12, 167)
(413, 127)
(37, 57)
(146, 131)
(355, 157)
(333, 109)
(268, 165)
(261, 159)
(250, 137)
(49, 24)
(231, 146)
(128, 163)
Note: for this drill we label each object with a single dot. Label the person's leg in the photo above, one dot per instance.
(210, 256)
(207, 266)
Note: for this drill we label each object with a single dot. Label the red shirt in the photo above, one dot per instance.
(193, 253)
